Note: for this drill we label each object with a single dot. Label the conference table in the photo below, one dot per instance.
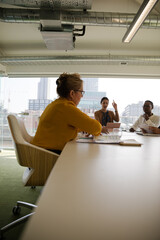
(101, 192)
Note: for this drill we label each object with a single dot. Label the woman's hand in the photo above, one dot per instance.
(114, 105)
(87, 134)
(104, 129)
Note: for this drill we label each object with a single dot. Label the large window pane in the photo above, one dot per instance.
(28, 97)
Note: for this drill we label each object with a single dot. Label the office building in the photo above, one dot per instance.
(91, 99)
(131, 113)
(90, 84)
(38, 104)
(134, 109)
(42, 96)
(43, 89)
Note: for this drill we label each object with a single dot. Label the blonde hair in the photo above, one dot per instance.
(67, 82)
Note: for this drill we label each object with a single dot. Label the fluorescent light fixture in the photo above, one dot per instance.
(141, 15)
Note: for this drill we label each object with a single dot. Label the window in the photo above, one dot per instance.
(28, 97)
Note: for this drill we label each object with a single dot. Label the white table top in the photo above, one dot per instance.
(101, 192)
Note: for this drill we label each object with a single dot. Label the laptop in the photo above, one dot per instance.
(111, 125)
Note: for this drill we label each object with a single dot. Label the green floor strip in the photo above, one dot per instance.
(11, 190)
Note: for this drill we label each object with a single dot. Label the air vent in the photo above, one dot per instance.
(59, 40)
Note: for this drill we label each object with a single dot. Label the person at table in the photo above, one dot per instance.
(104, 115)
(61, 119)
(147, 118)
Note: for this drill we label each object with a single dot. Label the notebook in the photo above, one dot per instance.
(104, 138)
(109, 140)
(130, 142)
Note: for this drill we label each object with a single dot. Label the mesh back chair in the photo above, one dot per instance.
(38, 162)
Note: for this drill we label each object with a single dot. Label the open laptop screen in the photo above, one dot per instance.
(113, 125)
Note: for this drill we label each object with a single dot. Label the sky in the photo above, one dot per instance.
(128, 91)
(16, 92)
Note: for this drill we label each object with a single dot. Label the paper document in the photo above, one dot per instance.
(145, 127)
(107, 138)
(104, 138)
(148, 134)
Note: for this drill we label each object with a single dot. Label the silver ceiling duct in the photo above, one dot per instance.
(74, 60)
(74, 18)
(53, 4)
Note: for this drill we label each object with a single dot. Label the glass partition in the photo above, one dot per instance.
(28, 97)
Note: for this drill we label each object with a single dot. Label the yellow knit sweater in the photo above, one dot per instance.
(60, 123)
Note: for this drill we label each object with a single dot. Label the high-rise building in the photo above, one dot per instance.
(134, 109)
(91, 84)
(38, 104)
(91, 99)
(131, 113)
(42, 96)
(43, 89)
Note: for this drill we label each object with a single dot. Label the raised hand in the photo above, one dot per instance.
(114, 105)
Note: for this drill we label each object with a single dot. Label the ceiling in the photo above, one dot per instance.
(98, 52)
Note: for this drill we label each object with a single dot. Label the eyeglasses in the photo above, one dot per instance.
(82, 92)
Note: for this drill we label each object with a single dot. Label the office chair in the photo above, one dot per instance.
(38, 162)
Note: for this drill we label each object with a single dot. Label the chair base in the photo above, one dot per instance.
(16, 210)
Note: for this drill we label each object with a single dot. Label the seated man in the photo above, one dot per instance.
(147, 118)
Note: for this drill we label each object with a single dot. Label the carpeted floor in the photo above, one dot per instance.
(11, 190)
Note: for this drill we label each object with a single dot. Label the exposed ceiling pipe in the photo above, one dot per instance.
(106, 19)
(76, 18)
(53, 4)
(123, 60)
(19, 15)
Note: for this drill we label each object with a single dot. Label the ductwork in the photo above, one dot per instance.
(105, 19)
(2, 69)
(74, 18)
(50, 4)
(74, 60)
(19, 15)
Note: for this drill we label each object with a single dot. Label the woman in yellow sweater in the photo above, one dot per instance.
(61, 120)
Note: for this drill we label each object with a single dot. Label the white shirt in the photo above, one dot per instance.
(153, 121)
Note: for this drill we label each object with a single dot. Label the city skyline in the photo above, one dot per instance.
(15, 93)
